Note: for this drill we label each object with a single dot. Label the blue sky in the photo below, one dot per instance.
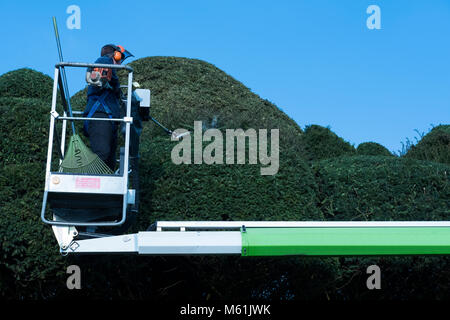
(316, 60)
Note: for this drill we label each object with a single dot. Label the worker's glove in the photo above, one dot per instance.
(136, 85)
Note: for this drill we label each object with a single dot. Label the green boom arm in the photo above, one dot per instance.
(346, 241)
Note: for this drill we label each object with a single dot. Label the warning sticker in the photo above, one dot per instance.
(87, 183)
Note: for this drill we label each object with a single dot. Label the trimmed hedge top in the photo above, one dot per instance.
(435, 146)
(187, 90)
(26, 83)
(321, 143)
(373, 149)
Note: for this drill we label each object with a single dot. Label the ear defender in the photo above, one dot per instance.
(118, 55)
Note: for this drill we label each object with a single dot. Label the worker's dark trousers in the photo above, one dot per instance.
(103, 138)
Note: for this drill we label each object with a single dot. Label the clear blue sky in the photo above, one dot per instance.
(315, 59)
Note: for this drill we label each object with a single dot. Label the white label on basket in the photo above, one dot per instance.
(87, 183)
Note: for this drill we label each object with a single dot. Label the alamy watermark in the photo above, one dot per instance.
(374, 281)
(74, 20)
(374, 20)
(235, 147)
(74, 280)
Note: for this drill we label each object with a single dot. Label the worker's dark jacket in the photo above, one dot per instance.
(103, 134)
(112, 98)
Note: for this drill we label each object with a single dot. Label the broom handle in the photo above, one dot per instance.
(63, 74)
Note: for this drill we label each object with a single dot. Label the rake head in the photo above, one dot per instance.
(80, 159)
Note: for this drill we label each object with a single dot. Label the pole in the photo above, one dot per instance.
(63, 73)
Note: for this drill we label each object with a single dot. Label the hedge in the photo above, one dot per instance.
(321, 177)
(321, 143)
(26, 83)
(372, 149)
(434, 146)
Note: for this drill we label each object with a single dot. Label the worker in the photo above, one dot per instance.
(103, 101)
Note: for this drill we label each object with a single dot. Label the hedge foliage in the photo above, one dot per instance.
(383, 188)
(434, 146)
(29, 267)
(321, 143)
(26, 83)
(321, 177)
(224, 192)
(24, 130)
(372, 149)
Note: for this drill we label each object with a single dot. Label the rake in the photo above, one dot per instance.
(78, 158)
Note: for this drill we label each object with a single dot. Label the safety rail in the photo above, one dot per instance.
(127, 119)
(236, 225)
(58, 117)
(93, 65)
